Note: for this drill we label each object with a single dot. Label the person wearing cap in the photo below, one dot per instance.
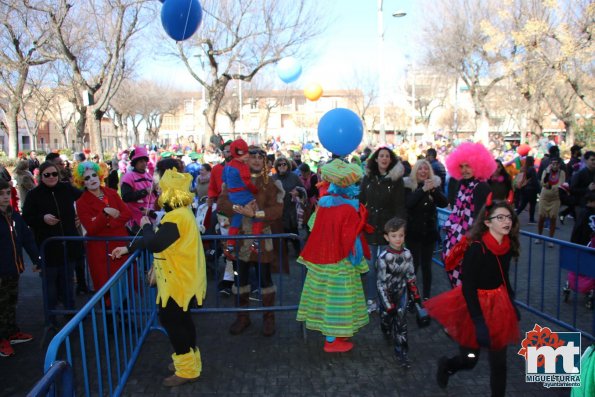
(332, 300)
(137, 188)
(193, 168)
(268, 208)
(241, 192)
(179, 269)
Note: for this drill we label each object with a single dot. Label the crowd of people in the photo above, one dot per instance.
(369, 220)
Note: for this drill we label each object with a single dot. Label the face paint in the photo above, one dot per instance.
(91, 179)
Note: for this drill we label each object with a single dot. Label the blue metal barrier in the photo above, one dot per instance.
(537, 279)
(57, 380)
(103, 340)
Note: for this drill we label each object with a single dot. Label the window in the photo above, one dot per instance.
(189, 107)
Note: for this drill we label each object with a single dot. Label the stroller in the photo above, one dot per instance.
(584, 284)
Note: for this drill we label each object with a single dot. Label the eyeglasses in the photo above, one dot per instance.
(282, 164)
(93, 175)
(502, 218)
(48, 174)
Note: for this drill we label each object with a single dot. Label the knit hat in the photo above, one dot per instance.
(175, 189)
(341, 174)
(238, 148)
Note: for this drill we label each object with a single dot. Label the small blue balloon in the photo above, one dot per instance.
(181, 18)
(340, 131)
(289, 69)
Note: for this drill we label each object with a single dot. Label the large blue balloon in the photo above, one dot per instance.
(340, 131)
(289, 69)
(181, 18)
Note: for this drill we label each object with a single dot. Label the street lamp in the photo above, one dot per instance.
(381, 82)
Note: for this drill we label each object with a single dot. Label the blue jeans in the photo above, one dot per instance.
(60, 282)
(370, 287)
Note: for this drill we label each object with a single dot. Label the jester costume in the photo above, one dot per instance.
(332, 300)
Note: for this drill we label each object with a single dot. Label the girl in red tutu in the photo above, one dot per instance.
(481, 313)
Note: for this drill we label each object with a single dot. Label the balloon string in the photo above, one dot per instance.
(187, 17)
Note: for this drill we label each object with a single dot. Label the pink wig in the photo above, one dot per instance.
(476, 156)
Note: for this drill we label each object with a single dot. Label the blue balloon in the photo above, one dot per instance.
(340, 131)
(181, 18)
(289, 70)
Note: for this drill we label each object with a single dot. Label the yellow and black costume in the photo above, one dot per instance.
(179, 266)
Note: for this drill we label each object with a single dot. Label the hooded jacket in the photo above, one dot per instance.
(384, 198)
(14, 236)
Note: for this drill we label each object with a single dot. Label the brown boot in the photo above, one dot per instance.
(243, 318)
(268, 318)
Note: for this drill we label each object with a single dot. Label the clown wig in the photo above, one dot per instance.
(79, 169)
(476, 156)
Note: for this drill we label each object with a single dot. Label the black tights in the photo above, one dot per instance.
(497, 360)
(179, 326)
(422, 252)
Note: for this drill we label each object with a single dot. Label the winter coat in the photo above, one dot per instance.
(289, 181)
(14, 236)
(384, 198)
(58, 201)
(422, 219)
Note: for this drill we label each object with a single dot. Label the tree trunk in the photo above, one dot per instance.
(482, 125)
(136, 135)
(13, 130)
(569, 127)
(96, 136)
(81, 123)
(216, 94)
(64, 138)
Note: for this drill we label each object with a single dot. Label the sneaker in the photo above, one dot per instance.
(6, 349)
(372, 306)
(20, 337)
(442, 373)
(550, 245)
(225, 291)
(562, 219)
(537, 242)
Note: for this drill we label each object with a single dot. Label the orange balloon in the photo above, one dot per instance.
(313, 91)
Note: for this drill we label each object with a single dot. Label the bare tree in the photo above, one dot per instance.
(548, 50)
(230, 106)
(361, 94)
(454, 44)
(21, 35)
(94, 38)
(431, 92)
(238, 39)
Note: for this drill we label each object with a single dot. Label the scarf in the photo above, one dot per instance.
(493, 245)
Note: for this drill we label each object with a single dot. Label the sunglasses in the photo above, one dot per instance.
(282, 164)
(48, 174)
(93, 175)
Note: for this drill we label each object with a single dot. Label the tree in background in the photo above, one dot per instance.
(238, 39)
(21, 35)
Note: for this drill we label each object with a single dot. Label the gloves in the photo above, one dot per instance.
(481, 332)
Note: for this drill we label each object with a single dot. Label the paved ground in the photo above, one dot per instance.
(286, 364)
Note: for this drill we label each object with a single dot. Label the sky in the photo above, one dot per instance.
(350, 42)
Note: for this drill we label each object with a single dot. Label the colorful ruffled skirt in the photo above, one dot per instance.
(450, 310)
(333, 300)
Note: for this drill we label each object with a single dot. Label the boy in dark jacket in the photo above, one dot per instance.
(14, 236)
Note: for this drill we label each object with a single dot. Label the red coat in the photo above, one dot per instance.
(90, 211)
(333, 236)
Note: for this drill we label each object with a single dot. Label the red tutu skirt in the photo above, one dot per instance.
(450, 310)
